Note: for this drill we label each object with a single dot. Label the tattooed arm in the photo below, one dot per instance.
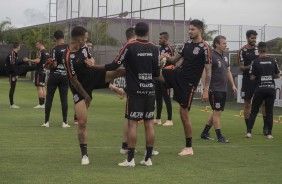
(207, 80)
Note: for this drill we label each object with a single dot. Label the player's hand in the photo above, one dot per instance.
(90, 62)
(48, 63)
(234, 89)
(205, 96)
(25, 59)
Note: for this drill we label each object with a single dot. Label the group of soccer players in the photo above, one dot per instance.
(149, 77)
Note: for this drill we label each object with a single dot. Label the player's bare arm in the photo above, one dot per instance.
(230, 79)
(172, 59)
(207, 82)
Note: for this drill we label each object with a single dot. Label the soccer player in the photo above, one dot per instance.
(263, 71)
(57, 79)
(218, 87)
(40, 73)
(161, 91)
(141, 61)
(184, 79)
(12, 64)
(246, 55)
(83, 81)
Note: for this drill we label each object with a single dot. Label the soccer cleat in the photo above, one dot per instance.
(206, 136)
(248, 135)
(45, 125)
(147, 163)
(14, 106)
(127, 164)
(155, 153)
(265, 131)
(123, 151)
(65, 125)
(222, 140)
(39, 107)
(186, 151)
(85, 160)
(157, 121)
(168, 123)
(270, 136)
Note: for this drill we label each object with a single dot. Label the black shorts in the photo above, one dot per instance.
(98, 82)
(183, 91)
(40, 79)
(248, 88)
(217, 100)
(140, 107)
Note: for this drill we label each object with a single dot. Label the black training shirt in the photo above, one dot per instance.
(195, 56)
(264, 68)
(141, 61)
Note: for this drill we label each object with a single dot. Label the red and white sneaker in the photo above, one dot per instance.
(186, 151)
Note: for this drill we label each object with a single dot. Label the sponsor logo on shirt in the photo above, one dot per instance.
(145, 76)
(266, 78)
(144, 54)
(149, 85)
(196, 50)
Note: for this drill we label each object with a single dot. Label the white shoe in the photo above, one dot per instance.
(147, 163)
(14, 106)
(157, 121)
(270, 137)
(127, 164)
(123, 151)
(65, 125)
(85, 160)
(39, 106)
(45, 125)
(154, 153)
(168, 123)
(248, 135)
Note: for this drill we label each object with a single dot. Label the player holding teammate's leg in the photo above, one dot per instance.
(263, 70)
(184, 80)
(57, 79)
(40, 73)
(217, 92)
(141, 61)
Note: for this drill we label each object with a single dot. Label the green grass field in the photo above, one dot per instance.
(31, 154)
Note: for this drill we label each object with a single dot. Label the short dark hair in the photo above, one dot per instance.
(16, 45)
(40, 42)
(130, 33)
(262, 47)
(249, 33)
(141, 29)
(217, 39)
(165, 34)
(197, 23)
(59, 34)
(88, 41)
(78, 31)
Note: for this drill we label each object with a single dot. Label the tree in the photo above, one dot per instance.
(4, 25)
(208, 34)
(98, 33)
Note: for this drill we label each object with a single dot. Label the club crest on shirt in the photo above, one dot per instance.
(166, 48)
(256, 52)
(226, 59)
(72, 56)
(201, 45)
(196, 50)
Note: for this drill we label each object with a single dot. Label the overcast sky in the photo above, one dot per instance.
(231, 12)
